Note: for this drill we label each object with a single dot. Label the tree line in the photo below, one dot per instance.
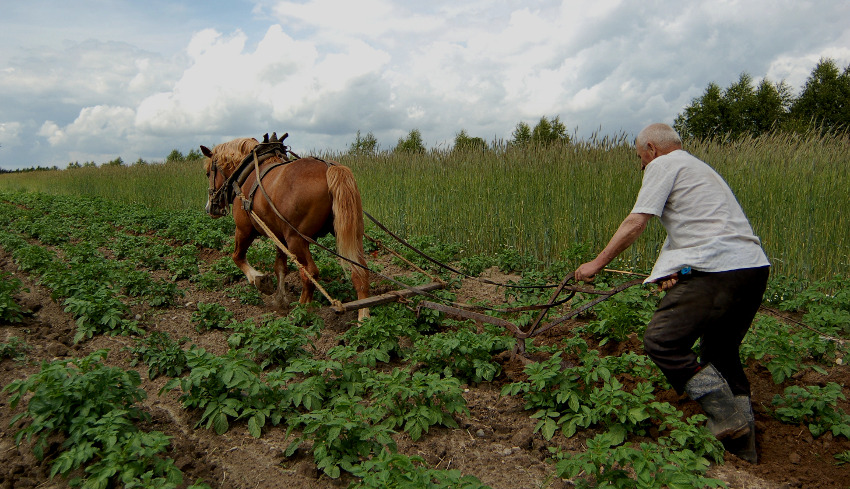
(744, 108)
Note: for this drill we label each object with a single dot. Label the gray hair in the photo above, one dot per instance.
(662, 135)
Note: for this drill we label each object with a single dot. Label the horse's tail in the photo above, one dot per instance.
(348, 218)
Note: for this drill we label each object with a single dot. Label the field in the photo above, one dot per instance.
(244, 393)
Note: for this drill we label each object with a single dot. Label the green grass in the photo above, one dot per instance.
(541, 201)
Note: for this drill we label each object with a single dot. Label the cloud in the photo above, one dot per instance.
(323, 69)
(10, 133)
(105, 126)
(229, 89)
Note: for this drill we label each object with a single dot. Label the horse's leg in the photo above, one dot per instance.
(281, 268)
(263, 282)
(301, 250)
(360, 280)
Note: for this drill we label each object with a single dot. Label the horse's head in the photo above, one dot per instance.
(221, 161)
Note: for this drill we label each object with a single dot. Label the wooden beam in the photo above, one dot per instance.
(388, 297)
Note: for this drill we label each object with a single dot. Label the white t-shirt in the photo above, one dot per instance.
(706, 227)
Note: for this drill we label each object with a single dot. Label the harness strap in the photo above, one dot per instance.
(248, 201)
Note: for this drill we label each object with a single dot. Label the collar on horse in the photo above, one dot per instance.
(271, 147)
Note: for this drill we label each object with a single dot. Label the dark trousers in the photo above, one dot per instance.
(714, 308)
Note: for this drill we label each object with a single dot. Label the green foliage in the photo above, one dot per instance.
(743, 109)
(69, 396)
(395, 470)
(608, 463)
(93, 407)
(278, 340)
(364, 145)
(343, 435)
(815, 407)
(545, 133)
(415, 402)
(15, 349)
(825, 97)
(160, 353)
(184, 264)
(245, 294)
(10, 310)
(377, 337)
(100, 312)
(475, 264)
(227, 388)
(568, 399)
(411, 144)
(464, 353)
(826, 303)
(211, 316)
(783, 350)
(509, 259)
(626, 313)
(464, 142)
(32, 258)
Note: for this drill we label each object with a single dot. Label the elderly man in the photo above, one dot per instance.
(715, 273)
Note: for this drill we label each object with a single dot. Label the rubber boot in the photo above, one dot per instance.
(745, 446)
(725, 420)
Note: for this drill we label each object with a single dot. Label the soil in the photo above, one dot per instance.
(495, 443)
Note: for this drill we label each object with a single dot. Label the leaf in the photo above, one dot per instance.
(254, 427)
(220, 423)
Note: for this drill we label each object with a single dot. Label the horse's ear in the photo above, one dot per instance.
(266, 137)
(206, 151)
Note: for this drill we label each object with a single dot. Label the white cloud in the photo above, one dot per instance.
(323, 69)
(106, 126)
(10, 133)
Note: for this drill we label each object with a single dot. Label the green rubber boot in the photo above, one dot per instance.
(745, 446)
(726, 420)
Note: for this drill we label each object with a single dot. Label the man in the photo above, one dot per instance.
(715, 273)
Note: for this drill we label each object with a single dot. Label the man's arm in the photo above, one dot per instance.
(628, 232)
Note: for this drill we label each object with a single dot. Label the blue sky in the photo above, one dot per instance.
(92, 80)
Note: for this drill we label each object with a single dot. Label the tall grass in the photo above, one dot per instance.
(176, 185)
(542, 201)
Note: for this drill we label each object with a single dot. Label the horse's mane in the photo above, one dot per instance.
(230, 154)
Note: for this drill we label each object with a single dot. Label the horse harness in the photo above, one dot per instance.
(232, 186)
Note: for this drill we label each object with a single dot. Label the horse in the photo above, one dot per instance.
(304, 197)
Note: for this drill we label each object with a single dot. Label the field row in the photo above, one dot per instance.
(352, 396)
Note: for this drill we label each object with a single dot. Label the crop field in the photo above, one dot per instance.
(134, 354)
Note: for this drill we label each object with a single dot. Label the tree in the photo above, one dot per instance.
(703, 118)
(825, 98)
(73, 165)
(116, 162)
(741, 109)
(548, 132)
(174, 157)
(194, 155)
(521, 135)
(545, 133)
(463, 142)
(413, 143)
(366, 145)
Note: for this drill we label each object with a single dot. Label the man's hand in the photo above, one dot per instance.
(587, 272)
(665, 283)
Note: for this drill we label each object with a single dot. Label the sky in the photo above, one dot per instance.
(94, 80)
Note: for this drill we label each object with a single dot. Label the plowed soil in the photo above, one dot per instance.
(495, 442)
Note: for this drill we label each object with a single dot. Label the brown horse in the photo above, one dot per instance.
(310, 197)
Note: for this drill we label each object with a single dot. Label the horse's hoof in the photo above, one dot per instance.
(362, 314)
(265, 284)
